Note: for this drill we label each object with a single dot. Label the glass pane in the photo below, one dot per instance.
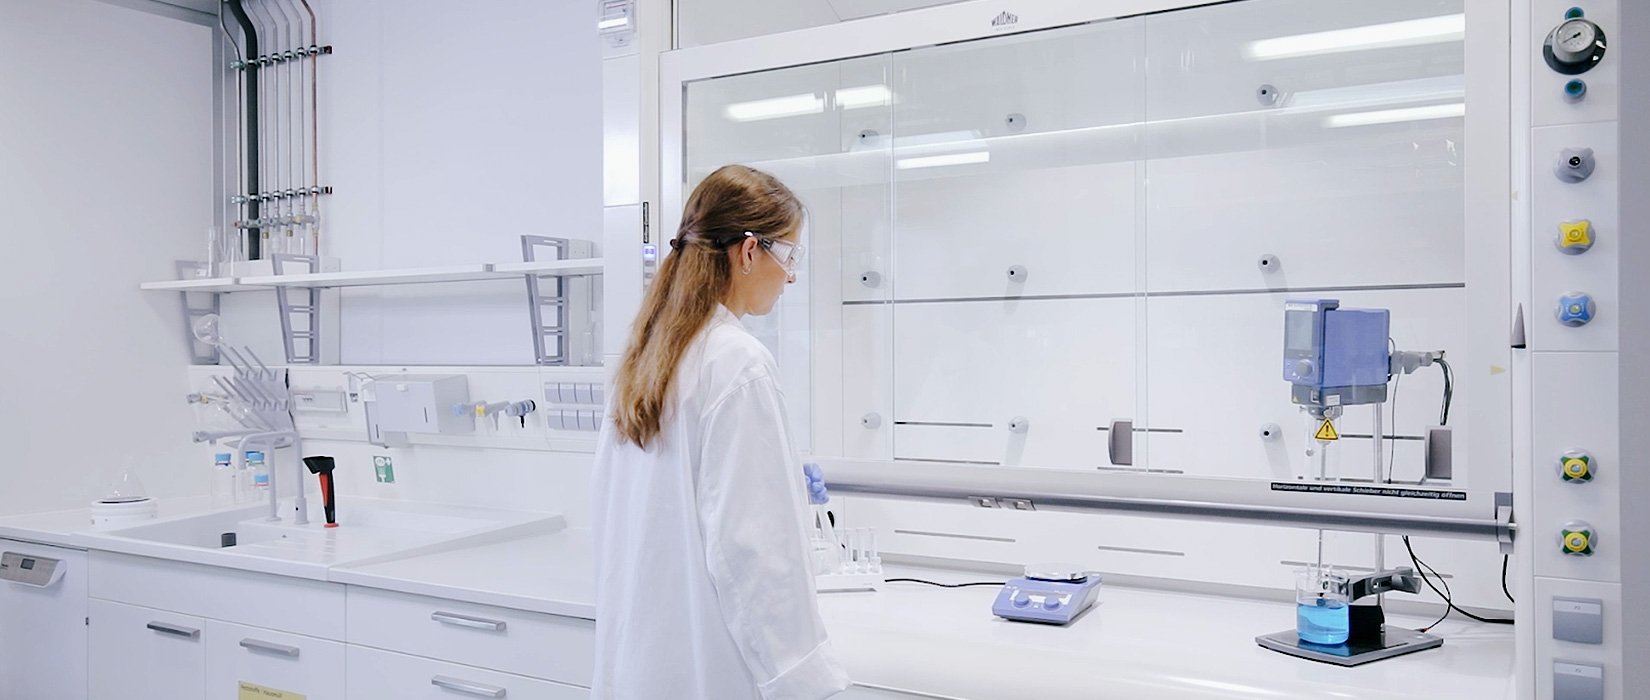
(1299, 149)
(819, 129)
(700, 22)
(1013, 277)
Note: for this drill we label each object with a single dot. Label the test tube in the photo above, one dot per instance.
(875, 558)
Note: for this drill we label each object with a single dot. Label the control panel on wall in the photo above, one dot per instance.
(1574, 209)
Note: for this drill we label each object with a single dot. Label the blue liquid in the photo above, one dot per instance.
(1322, 622)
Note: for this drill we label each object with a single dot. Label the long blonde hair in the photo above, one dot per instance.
(691, 281)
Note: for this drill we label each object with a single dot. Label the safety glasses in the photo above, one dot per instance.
(788, 254)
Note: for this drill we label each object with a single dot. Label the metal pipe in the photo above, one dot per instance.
(256, 66)
(1457, 528)
(314, 64)
(1379, 477)
(247, 111)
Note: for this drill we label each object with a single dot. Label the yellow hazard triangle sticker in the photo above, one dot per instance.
(1326, 432)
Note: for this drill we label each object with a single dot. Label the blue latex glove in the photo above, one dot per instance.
(817, 495)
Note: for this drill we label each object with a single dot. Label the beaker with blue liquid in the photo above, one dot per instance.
(1321, 616)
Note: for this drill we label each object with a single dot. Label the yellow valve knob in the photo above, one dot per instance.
(1576, 542)
(1576, 466)
(1577, 538)
(1575, 237)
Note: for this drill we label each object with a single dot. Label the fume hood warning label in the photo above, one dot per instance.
(1326, 432)
(1357, 490)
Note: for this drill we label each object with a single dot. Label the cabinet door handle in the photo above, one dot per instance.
(467, 688)
(250, 644)
(185, 632)
(475, 623)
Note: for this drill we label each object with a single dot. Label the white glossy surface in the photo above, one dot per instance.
(63, 527)
(1138, 643)
(1135, 644)
(549, 573)
(368, 530)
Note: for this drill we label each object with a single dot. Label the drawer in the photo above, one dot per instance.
(300, 606)
(294, 664)
(142, 654)
(543, 646)
(376, 674)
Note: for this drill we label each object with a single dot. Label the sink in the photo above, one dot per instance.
(369, 530)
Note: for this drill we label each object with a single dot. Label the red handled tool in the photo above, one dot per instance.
(322, 467)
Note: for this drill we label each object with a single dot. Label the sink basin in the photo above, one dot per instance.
(369, 530)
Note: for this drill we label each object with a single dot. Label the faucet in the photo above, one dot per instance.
(273, 440)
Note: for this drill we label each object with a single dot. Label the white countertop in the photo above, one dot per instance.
(945, 643)
(1136, 643)
(551, 573)
(65, 528)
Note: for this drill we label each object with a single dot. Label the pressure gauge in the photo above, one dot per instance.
(1574, 47)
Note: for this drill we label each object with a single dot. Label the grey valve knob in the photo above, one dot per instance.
(1575, 164)
(1019, 424)
(871, 278)
(1304, 368)
(871, 421)
(1017, 273)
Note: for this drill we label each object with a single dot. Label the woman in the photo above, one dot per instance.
(703, 584)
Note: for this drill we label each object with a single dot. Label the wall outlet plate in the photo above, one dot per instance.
(383, 469)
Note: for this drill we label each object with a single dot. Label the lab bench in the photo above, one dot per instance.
(518, 614)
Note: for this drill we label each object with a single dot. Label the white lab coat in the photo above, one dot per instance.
(703, 583)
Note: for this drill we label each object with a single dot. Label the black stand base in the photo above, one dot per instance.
(1393, 641)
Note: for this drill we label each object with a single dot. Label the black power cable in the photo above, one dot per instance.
(945, 585)
(1449, 600)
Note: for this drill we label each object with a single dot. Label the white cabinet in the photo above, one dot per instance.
(143, 654)
(549, 647)
(300, 606)
(289, 663)
(42, 628)
(375, 674)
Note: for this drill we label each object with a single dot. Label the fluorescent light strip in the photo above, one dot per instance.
(1392, 116)
(1414, 32)
(864, 96)
(775, 107)
(969, 158)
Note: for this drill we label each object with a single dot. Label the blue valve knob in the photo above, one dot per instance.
(1576, 309)
(1575, 90)
(1051, 603)
(1020, 599)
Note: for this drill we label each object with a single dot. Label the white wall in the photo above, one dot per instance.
(448, 130)
(103, 184)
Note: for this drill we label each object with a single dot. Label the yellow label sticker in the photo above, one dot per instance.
(1326, 432)
(252, 691)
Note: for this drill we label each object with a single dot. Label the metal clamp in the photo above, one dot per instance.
(185, 632)
(476, 623)
(1506, 529)
(1120, 443)
(468, 688)
(250, 644)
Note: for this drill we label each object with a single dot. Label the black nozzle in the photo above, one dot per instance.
(320, 465)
